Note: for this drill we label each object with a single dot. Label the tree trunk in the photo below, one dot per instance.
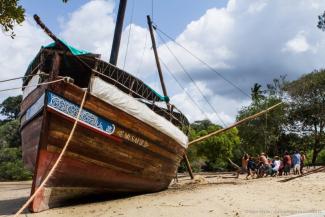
(314, 158)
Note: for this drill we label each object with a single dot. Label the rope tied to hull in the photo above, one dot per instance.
(32, 197)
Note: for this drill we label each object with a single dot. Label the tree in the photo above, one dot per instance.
(10, 107)
(307, 108)
(11, 165)
(11, 14)
(321, 21)
(256, 92)
(10, 135)
(263, 134)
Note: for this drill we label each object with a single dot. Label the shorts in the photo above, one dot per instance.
(296, 167)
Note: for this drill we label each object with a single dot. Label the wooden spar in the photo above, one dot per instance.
(47, 30)
(154, 47)
(118, 32)
(235, 124)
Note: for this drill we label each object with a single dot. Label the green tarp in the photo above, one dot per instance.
(73, 50)
(162, 98)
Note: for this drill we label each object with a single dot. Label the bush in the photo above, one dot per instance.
(9, 134)
(11, 165)
(321, 158)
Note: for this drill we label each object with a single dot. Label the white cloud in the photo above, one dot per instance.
(223, 114)
(257, 6)
(16, 54)
(91, 27)
(298, 44)
(247, 41)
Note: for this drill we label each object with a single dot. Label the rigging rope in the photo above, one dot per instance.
(182, 87)
(203, 62)
(190, 77)
(31, 198)
(36, 85)
(142, 56)
(129, 34)
(31, 74)
(27, 76)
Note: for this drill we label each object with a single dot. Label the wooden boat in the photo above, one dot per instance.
(123, 143)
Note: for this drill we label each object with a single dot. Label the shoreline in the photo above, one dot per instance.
(209, 194)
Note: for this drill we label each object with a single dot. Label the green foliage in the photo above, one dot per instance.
(9, 134)
(214, 151)
(307, 103)
(10, 107)
(321, 158)
(257, 93)
(11, 166)
(11, 14)
(263, 134)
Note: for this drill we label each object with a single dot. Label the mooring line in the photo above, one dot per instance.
(26, 76)
(36, 85)
(57, 161)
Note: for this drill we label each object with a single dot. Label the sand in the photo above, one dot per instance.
(209, 195)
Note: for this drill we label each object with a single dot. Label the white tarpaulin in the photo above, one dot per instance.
(112, 95)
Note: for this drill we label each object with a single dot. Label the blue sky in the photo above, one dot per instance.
(246, 41)
(169, 14)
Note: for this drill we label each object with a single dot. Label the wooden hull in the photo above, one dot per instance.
(135, 158)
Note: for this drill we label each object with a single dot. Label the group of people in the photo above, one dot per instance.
(262, 165)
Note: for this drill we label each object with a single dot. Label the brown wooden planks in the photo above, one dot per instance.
(73, 93)
(30, 135)
(94, 159)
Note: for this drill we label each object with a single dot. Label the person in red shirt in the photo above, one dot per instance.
(286, 163)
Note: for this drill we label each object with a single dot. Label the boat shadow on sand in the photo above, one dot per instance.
(11, 206)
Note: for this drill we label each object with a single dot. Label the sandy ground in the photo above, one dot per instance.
(209, 195)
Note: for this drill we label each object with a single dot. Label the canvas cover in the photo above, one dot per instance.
(112, 95)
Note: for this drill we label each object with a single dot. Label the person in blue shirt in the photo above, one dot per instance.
(296, 160)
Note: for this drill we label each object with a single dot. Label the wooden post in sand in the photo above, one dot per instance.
(188, 165)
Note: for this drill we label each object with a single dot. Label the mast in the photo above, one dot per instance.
(154, 47)
(118, 32)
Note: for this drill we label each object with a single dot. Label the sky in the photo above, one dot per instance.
(244, 41)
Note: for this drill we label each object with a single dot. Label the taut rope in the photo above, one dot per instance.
(57, 161)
